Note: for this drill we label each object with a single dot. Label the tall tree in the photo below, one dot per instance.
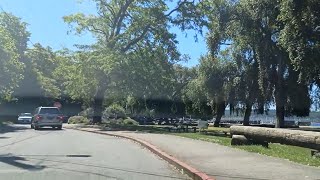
(217, 76)
(13, 43)
(123, 27)
(254, 23)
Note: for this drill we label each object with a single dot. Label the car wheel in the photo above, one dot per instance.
(59, 127)
(36, 127)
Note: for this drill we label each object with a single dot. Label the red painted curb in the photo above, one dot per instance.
(192, 172)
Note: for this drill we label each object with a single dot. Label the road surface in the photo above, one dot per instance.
(26, 154)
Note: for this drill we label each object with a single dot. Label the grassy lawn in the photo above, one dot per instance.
(291, 153)
(221, 129)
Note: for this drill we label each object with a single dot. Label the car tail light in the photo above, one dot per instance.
(38, 117)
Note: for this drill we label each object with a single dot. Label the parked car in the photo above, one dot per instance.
(24, 118)
(47, 116)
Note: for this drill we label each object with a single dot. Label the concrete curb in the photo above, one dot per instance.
(192, 172)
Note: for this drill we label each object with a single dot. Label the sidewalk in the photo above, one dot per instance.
(223, 162)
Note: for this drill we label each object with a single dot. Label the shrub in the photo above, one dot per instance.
(114, 111)
(78, 120)
(130, 121)
(88, 113)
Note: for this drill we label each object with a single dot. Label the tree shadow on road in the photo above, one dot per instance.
(11, 128)
(17, 162)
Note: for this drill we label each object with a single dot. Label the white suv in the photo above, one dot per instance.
(47, 116)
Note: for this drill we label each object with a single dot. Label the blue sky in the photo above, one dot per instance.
(47, 27)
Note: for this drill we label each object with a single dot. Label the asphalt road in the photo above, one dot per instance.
(26, 154)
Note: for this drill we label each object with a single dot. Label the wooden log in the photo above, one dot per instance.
(239, 140)
(242, 140)
(307, 139)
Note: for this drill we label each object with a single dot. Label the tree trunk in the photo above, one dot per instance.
(97, 105)
(231, 109)
(221, 106)
(280, 95)
(260, 109)
(280, 116)
(247, 114)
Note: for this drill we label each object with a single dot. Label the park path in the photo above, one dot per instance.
(223, 162)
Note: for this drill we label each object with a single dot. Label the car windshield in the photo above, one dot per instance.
(220, 89)
(49, 111)
(25, 114)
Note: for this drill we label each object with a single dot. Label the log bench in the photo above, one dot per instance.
(306, 139)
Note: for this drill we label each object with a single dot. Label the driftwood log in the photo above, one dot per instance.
(307, 139)
(239, 140)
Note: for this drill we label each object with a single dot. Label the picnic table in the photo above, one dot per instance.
(181, 127)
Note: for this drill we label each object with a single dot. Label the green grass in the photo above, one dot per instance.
(220, 129)
(291, 153)
(214, 139)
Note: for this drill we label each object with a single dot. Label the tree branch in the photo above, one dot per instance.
(179, 6)
(137, 39)
(95, 29)
(122, 14)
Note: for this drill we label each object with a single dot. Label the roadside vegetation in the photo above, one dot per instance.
(78, 120)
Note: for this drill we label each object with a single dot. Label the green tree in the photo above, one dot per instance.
(217, 76)
(121, 28)
(44, 61)
(254, 24)
(13, 41)
(300, 36)
(196, 99)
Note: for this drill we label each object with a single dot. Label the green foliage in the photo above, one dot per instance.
(196, 98)
(271, 40)
(78, 120)
(13, 40)
(130, 122)
(133, 55)
(43, 63)
(88, 113)
(115, 122)
(114, 111)
(299, 35)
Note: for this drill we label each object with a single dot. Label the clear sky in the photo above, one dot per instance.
(47, 27)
